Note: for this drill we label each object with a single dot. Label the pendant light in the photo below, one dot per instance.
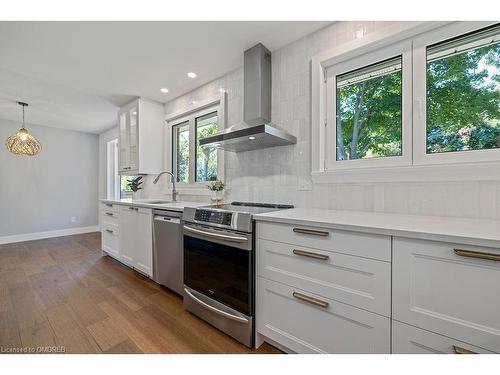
(22, 142)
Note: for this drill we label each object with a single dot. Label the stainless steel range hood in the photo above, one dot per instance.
(256, 131)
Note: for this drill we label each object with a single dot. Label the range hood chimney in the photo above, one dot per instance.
(256, 131)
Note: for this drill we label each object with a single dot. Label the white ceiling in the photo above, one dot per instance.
(75, 75)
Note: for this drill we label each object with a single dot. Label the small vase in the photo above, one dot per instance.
(217, 197)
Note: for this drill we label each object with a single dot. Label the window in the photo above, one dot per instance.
(206, 157)
(366, 100)
(463, 93)
(181, 151)
(430, 99)
(369, 104)
(457, 95)
(193, 164)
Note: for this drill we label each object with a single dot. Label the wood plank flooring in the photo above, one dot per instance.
(60, 292)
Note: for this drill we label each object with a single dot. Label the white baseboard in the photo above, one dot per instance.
(48, 234)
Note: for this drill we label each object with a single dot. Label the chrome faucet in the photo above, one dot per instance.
(172, 178)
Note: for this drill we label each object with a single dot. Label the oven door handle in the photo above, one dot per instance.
(215, 310)
(216, 235)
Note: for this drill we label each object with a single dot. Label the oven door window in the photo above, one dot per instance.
(219, 271)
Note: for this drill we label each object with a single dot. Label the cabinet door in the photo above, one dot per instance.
(128, 230)
(412, 340)
(133, 128)
(123, 142)
(144, 241)
(450, 289)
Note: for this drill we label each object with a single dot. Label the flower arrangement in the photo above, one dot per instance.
(216, 186)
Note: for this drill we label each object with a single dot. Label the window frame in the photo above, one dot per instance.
(196, 143)
(189, 114)
(175, 146)
(420, 155)
(470, 166)
(402, 49)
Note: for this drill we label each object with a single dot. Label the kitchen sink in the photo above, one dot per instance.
(152, 201)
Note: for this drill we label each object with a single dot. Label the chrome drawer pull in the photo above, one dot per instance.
(310, 255)
(459, 350)
(109, 204)
(311, 232)
(109, 213)
(477, 254)
(309, 299)
(109, 231)
(131, 208)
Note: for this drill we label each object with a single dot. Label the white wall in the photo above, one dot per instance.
(42, 193)
(282, 174)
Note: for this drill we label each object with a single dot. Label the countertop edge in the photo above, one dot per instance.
(162, 206)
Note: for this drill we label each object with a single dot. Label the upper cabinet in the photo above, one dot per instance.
(140, 137)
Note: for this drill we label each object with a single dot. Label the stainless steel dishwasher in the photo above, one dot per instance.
(168, 258)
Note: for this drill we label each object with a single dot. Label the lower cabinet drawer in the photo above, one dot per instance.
(110, 240)
(109, 217)
(109, 207)
(357, 281)
(450, 289)
(306, 323)
(374, 246)
(407, 339)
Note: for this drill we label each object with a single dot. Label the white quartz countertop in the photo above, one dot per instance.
(479, 232)
(173, 206)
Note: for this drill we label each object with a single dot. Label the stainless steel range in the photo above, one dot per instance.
(219, 265)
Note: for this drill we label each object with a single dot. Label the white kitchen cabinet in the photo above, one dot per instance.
(136, 238)
(407, 339)
(307, 323)
(128, 235)
(450, 289)
(144, 238)
(110, 240)
(321, 290)
(361, 282)
(140, 137)
(110, 230)
(374, 246)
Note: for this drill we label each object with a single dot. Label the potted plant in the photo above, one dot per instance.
(135, 185)
(217, 189)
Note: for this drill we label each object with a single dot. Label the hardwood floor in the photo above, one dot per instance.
(60, 292)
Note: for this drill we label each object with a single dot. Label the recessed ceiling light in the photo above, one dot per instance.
(191, 75)
(134, 113)
(222, 90)
(251, 137)
(164, 90)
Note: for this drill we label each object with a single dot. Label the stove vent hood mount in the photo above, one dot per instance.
(257, 131)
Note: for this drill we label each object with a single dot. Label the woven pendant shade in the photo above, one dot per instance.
(22, 142)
